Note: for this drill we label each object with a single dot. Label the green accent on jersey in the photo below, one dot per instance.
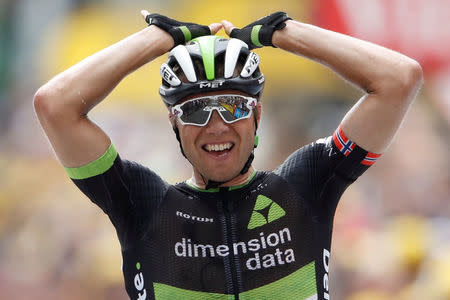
(231, 188)
(138, 266)
(262, 202)
(255, 35)
(186, 32)
(97, 167)
(150, 21)
(256, 141)
(258, 219)
(214, 190)
(164, 291)
(275, 212)
(207, 48)
(299, 285)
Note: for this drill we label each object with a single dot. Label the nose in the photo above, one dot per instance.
(216, 125)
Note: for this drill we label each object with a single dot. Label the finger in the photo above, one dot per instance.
(228, 26)
(144, 14)
(215, 27)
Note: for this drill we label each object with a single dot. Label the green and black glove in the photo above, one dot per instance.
(181, 32)
(260, 32)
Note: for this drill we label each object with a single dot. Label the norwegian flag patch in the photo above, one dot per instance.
(346, 146)
(342, 142)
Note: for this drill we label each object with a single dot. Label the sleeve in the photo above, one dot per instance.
(321, 171)
(126, 191)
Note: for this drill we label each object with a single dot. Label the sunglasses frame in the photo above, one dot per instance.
(178, 112)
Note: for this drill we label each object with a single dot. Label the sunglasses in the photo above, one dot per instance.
(198, 111)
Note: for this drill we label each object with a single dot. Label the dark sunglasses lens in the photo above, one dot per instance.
(194, 111)
(233, 108)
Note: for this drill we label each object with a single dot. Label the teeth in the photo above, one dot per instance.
(218, 147)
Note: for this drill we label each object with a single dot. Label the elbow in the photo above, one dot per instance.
(402, 82)
(410, 80)
(414, 76)
(51, 105)
(42, 102)
(39, 101)
(47, 103)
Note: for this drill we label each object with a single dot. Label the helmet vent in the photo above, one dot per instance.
(230, 62)
(231, 56)
(184, 60)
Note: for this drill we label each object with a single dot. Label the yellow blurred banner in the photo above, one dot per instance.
(93, 28)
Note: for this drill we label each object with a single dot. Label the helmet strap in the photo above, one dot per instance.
(251, 156)
(177, 134)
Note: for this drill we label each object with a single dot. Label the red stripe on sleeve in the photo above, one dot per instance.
(372, 155)
(342, 134)
(337, 142)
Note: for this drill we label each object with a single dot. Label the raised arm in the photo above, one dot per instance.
(62, 104)
(390, 79)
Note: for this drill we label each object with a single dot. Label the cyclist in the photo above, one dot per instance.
(229, 232)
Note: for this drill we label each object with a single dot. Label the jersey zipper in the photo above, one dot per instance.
(234, 239)
(229, 235)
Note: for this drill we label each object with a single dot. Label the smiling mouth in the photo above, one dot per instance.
(218, 149)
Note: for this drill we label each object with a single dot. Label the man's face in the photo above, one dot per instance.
(199, 143)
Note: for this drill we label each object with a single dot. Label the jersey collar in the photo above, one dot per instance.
(214, 190)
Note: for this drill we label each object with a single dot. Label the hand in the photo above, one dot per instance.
(260, 32)
(181, 32)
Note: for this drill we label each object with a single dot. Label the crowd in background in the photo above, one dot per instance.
(392, 227)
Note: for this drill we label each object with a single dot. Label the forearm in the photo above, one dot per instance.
(85, 84)
(373, 68)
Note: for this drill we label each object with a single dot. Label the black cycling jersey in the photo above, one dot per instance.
(267, 239)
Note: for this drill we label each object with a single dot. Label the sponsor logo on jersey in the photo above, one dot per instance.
(194, 218)
(264, 212)
(139, 283)
(326, 266)
(263, 251)
(251, 250)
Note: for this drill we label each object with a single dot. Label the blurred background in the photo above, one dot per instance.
(392, 228)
